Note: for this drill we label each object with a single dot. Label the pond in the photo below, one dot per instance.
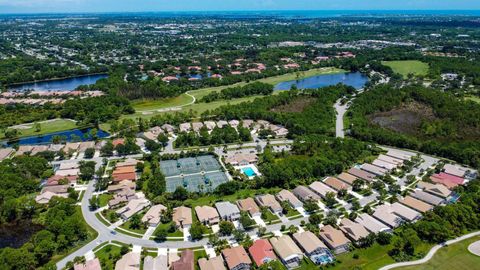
(354, 79)
(67, 84)
(68, 136)
(16, 234)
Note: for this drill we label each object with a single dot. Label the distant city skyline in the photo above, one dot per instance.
(80, 6)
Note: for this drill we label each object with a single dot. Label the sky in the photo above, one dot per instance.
(55, 6)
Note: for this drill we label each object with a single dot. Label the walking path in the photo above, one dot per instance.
(431, 252)
(172, 108)
(474, 248)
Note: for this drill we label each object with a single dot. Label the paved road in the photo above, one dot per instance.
(341, 110)
(430, 253)
(106, 235)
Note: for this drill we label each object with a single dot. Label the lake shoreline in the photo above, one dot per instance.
(56, 79)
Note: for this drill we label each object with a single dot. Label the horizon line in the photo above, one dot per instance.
(250, 10)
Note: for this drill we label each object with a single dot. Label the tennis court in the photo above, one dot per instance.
(200, 174)
(209, 163)
(197, 182)
(170, 168)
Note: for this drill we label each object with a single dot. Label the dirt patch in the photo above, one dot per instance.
(406, 118)
(297, 105)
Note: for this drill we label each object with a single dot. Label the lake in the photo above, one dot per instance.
(69, 135)
(67, 84)
(354, 79)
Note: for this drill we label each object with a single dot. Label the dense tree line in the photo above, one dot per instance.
(453, 133)
(62, 226)
(253, 89)
(218, 135)
(317, 117)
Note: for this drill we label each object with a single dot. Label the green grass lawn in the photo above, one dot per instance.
(45, 127)
(126, 226)
(102, 219)
(408, 66)
(292, 213)
(451, 257)
(151, 105)
(108, 256)
(371, 258)
(146, 105)
(270, 217)
(198, 255)
(104, 199)
(472, 98)
(176, 233)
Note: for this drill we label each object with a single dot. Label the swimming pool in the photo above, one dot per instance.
(248, 171)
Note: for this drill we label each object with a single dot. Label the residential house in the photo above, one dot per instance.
(207, 215)
(125, 195)
(371, 224)
(400, 154)
(288, 252)
(186, 261)
(124, 173)
(134, 206)
(24, 150)
(383, 164)
(158, 263)
(71, 147)
(395, 161)
(374, 169)
(336, 184)
(210, 125)
(262, 252)
(305, 194)
(353, 230)
(168, 128)
(222, 123)
(416, 204)
(88, 265)
(269, 201)
(182, 216)
(286, 195)
(241, 159)
(369, 177)
(237, 258)
(56, 180)
(321, 189)
(228, 211)
(45, 197)
(435, 189)
(129, 261)
(120, 186)
(249, 205)
(347, 178)
(427, 197)
(448, 180)
(196, 126)
(215, 263)
(459, 171)
(314, 249)
(246, 123)
(154, 214)
(234, 123)
(405, 212)
(334, 239)
(185, 127)
(385, 214)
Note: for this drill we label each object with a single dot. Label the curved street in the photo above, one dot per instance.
(430, 253)
(105, 234)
